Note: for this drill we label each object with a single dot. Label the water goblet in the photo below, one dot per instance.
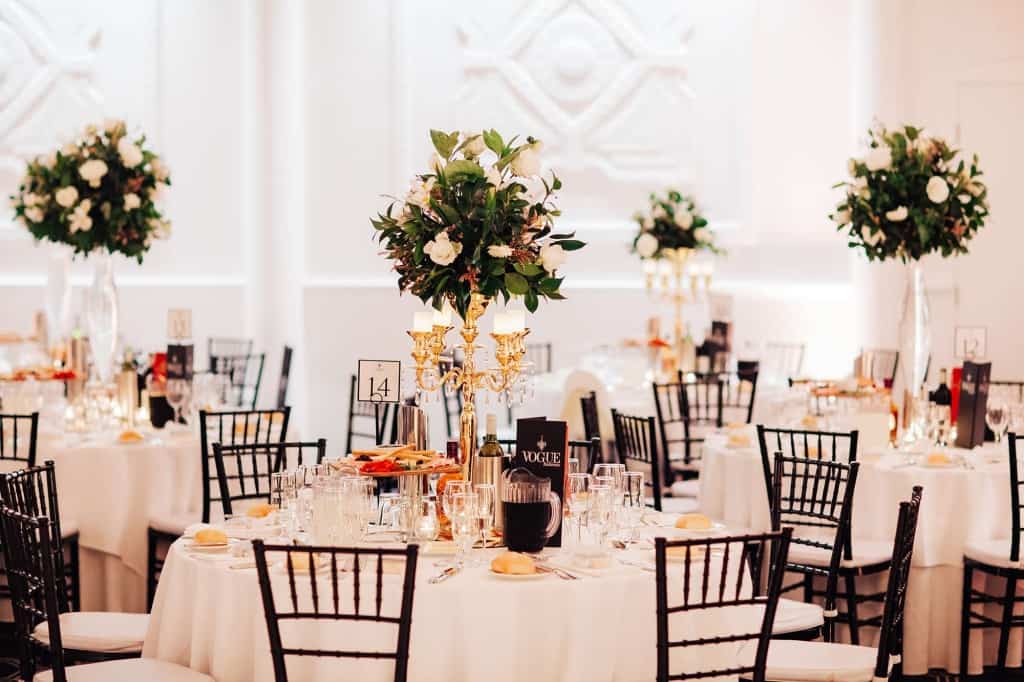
(464, 524)
(997, 417)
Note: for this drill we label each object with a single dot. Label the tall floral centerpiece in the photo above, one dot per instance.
(911, 195)
(97, 194)
(477, 225)
(672, 230)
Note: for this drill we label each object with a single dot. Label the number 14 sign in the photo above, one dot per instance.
(379, 381)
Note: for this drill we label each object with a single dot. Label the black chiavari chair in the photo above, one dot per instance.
(880, 364)
(18, 436)
(999, 559)
(41, 627)
(231, 427)
(591, 418)
(224, 346)
(816, 498)
(539, 357)
(637, 446)
(382, 418)
(825, 661)
(782, 361)
(719, 573)
(243, 471)
(860, 558)
(586, 452)
(739, 389)
(244, 374)
(313, 594)
(286, 370)
(687, 409)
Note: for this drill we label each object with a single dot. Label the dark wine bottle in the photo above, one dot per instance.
(942, 395)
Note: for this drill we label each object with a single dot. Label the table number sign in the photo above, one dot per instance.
(970, 343)
(179, 324)
(379, 381)
(179, 361)
(542, 446)
(970, 419)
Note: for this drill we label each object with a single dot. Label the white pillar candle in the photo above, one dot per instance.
(423, 322)
(501, 323)
(443, 317)
(516, 320)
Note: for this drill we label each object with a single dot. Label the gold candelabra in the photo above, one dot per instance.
(676, 283)
(428, 346)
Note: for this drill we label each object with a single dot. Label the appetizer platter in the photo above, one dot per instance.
(398, 460)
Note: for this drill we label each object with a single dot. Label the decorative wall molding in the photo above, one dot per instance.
(133, 281)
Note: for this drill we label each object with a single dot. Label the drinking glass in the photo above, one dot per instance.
(579, 486)
(451, 489)
(327, 504)
(464, 524)
(634, 502)
(997, 417)
(599, 511)
(426, 523)
(177, 393)
(485, 495)
(574, 465)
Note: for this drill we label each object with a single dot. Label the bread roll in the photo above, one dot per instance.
(210, 536)
(513, 563)
(939, 459)
(693, 522)
(739, 440)
(259, 511)
(131, 436)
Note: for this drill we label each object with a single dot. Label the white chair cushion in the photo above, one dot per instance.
(796, 661)
(101, 631)
(173, 524)
(992, 552)
(689, 488)
(68, 528)
(676, 505)
(797, 616)
(865, 553)
(128, 670)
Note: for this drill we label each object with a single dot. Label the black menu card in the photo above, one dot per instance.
(970, 418)
(179, 361)
(542, 446)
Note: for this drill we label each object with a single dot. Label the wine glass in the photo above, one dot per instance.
(177, 393)
(579, 486)
(634, 502)
(998, 418)
(426, 521)
(485, 509)
(465, 526)
(452, 488)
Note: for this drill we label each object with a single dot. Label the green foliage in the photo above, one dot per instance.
(689, 231)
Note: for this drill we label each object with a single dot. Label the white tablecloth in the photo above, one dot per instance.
(110, 490)
(958, 504)
(472, 627)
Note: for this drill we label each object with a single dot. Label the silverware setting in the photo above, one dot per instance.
(444, 575)
(560, 572)
(637, 564)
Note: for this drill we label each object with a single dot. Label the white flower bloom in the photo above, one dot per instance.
(112, 124)
(156, 192)
(879, 158)
(647, 223)
(80, 220)
(898, 214)
(66, 196)
(499, 251)
(646, 245)
(161, 229)
(684, 218)
(92, 171)
(937, 189)
(131, 201)
(34, 213)
(924, 145)
(419, 193)
(842, 217)
(851, 166)
(441, 250)
(474, 145)
(658, 211)
(527, 161)
(160, 171)
(90, 130)
(47, 161)
(871, 238)
(552, 256)
(69, 149)
(702, 234)
(435, 163)
(975, 189)
(130, 154)
(493, 176)
(31, 199)
(964, 198)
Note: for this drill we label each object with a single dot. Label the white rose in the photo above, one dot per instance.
(648, 222)
(702, 234)
(842, 217)
(156, 192)
(165, 230)
(684, 218)
(31, 199)
(937, 189)
(131, 201)
(870, 238)
(646, 245)
(975, 189)
(898, 214)
(34, 213)
(80, 220)
(130, 154)
(499, 251)
(493, 176)
(92, 171)
(160, 171)
(69, 149)
(527, 162)
(441, 250)
(47, 161)
(552, 256)
(879, 158)
(851, 166)
(112, 124)
(474, 145)
(964, 198)
(419, 193)
(66, 196)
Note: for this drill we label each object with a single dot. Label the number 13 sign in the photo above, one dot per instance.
(379, 381)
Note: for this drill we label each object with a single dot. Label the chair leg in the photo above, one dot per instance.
(808, 588)
(851, 608)
(74, 586)
(1004, 627)
(151, 569)
(965, 622)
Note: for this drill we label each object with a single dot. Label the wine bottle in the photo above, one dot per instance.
(490, 464)
(942, 395)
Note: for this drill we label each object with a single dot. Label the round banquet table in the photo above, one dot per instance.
(969, 501)
(208, 615)
(109, 490)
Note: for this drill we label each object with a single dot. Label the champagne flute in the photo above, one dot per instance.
(485, 509)
(464, 524)
(634, 503)
(579, 487)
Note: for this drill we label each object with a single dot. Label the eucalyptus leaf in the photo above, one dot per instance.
(443, 143)
(528, 269)
(531, 301)
(571, 244)
(516, 283)
(494, 142)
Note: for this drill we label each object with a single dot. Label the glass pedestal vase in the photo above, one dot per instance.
(102, 316)
(915, 336)
(58, 298)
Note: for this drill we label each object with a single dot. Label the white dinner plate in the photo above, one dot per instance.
(207, 549)
(518, 577)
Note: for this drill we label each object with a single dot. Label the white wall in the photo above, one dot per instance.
(285, 123)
